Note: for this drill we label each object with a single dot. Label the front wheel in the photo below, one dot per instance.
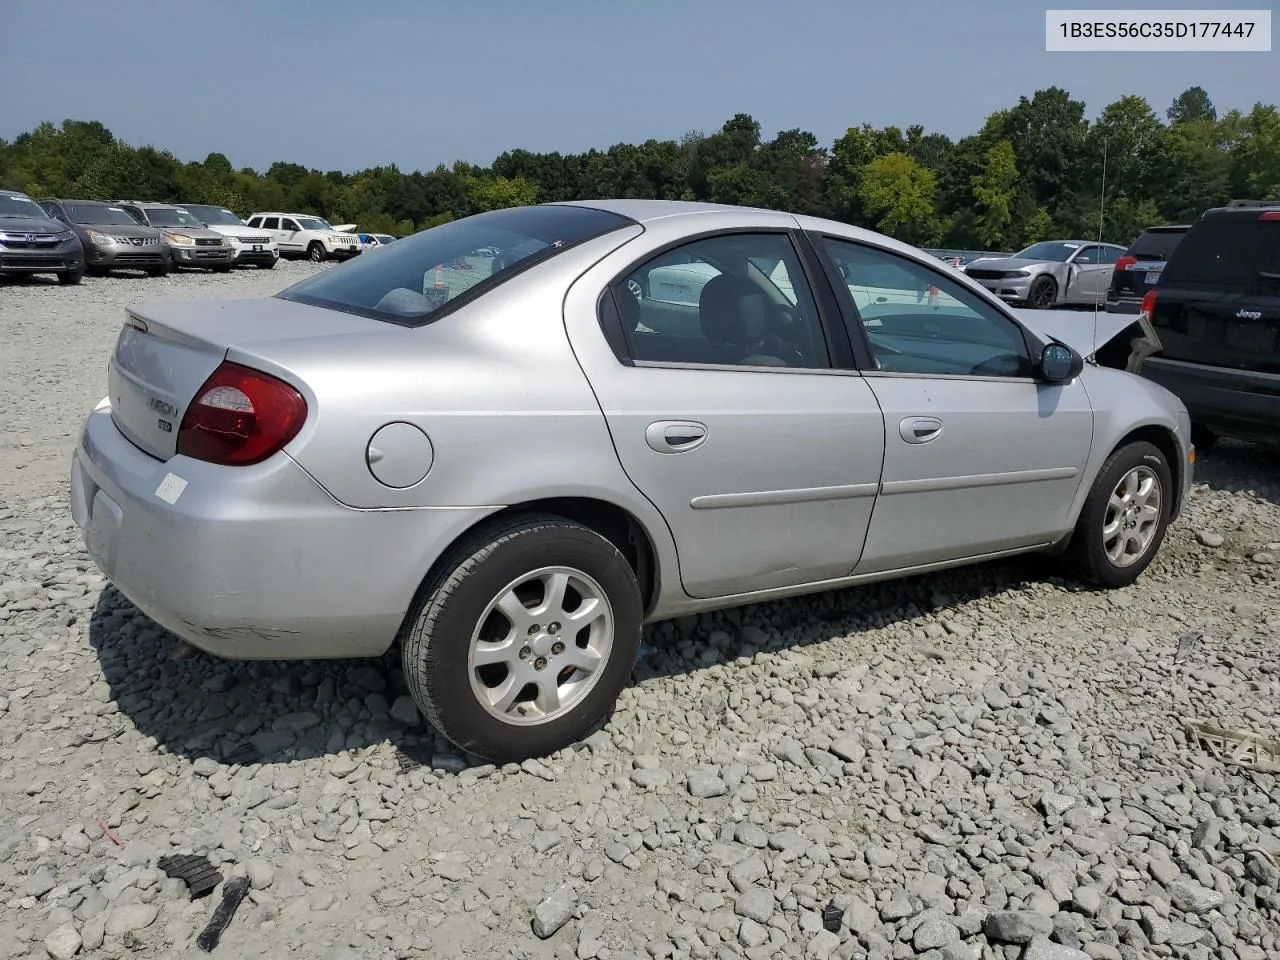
(317, 252)
(162, 271)
(521, 642)
(71, 277)
(1043, 293)
(1124, 518)
(267, 265)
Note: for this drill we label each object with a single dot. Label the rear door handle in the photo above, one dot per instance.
(920, 429)
(675, 436)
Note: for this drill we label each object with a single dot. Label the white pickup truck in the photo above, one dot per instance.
(303, 235)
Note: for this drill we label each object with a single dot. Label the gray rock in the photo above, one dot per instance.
(405, 711)
(1016, 926)
(130, 917)
(1191, 897)
(554, 912)
(704, 785)
(1042, 948)
(261, 875)
(755, 904)
(63, 943)
(933, 934)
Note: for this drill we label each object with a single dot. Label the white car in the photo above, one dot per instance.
(251, 246)
(303, 235)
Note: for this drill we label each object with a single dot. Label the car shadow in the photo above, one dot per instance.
(1236, 466)
(264, 711)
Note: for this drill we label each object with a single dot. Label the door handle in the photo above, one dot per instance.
(675, 436)
(920, 429)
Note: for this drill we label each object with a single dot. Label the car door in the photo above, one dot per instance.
(1088, 274)
(980, 457)
(289, 236)
(725, 407)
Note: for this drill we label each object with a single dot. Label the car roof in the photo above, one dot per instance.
(14, 193)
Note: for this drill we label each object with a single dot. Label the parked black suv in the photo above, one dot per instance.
(1138, 271)
(1216, 311)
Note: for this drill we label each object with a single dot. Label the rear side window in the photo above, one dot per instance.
(1226, 250)
(420, 277)
(1156, 244)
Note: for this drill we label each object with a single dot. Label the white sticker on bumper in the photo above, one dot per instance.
(171, 488)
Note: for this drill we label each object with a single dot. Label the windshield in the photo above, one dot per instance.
(170, 217)
(1054, 250)
(312, 223)
(216, 216)
(100, 214)
(21, 207)
(451, 263)
(382, 238)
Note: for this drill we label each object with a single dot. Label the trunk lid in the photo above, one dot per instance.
(166, 351)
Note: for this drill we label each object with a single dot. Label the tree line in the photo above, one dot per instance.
(1034, 170)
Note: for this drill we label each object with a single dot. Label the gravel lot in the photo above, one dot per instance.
(988, 763)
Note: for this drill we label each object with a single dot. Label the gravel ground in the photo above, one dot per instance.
(987, 763)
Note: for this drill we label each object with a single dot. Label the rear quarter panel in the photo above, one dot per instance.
(495, 386)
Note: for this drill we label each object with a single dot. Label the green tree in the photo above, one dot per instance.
(1191, 106)
(994, 192)
(898, 193)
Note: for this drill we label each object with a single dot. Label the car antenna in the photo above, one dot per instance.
(1102, 211)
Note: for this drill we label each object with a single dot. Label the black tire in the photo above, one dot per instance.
(1088, 555)
(162, 271)
(448, 610)
(1043, 293)
(316, 252)
(69, 278)
(268, 265)
(222, 268)
(96, 271)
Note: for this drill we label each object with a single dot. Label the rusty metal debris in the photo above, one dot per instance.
(1238, 748)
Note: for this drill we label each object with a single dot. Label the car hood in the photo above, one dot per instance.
(1086, 332)
(1004, 263)
(120, 230)
(228, 230)
(202, 233)
(29, 225)
(344, 227)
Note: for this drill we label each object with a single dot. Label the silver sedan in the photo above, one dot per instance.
(508, 442)
(1050, 273)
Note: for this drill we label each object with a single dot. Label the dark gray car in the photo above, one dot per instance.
(32, 242)
(191, 243)
(112, 239)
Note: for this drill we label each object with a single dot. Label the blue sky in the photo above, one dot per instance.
(347, 85)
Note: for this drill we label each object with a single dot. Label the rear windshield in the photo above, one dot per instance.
(1156, 244)
(452, 263)
(1230, 249)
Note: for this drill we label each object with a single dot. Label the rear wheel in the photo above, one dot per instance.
(317, 252)
(521, 642)
(1043, 293)
(1124, 518)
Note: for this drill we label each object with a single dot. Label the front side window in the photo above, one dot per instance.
(291, 226)
(920, 322)
(1089, 254)
(458, 260)
(738, 300)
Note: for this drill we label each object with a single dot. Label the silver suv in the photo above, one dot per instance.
(191, 242)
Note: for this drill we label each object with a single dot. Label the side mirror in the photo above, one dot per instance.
(1060, 364)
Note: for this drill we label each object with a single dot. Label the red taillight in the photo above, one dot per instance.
(1149, 303)
(1270, 215)
(1124, 263)
(240, 416)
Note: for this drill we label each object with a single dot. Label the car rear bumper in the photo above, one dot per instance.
(202, 256)
(1240, 403)
(251, 562)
